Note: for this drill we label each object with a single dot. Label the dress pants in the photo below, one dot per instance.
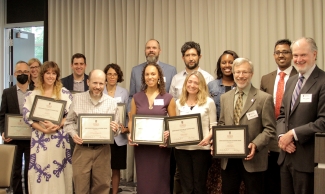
(193, 167)
(293, 181)
(272, 174)
(235, 173)
(91, 164)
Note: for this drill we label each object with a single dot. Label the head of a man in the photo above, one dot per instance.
(243, 70)
(22, 72)
(34, 66)
(282, 54)
(96, 82)
(191, 55)
(304, 52)
(152, 51)
(78, 65)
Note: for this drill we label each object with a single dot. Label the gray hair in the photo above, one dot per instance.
(310, 41)
(240, 61)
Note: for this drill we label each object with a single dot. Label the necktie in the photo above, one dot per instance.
(296, 92)
(279, 94)
(238, 107)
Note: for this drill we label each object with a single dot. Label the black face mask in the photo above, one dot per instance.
(23, 78)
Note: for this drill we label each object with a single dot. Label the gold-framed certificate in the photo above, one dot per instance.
(16, 128)
(96, 128)
(184, 130)
(48, 109)
(230, 141)
(148, 129)
(122, 112)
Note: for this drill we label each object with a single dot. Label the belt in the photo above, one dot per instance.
(92, 145)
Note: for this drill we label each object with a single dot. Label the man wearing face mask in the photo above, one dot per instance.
(12, 103)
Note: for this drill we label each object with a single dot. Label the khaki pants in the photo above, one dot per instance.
(91, 165)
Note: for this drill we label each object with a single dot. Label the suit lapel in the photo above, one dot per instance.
(14, 97)
(229, 104)
(249, 101)
(272, 82)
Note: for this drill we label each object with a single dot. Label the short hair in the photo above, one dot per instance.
(282, 42)
(22, 62)
(310, 41)
(240, 61)
(202, 92)
(77, 56)
(117, 69)
(151, 40)
(161, 85)
(190, 45)
(57, 84)
(218, 68)
(32, 60)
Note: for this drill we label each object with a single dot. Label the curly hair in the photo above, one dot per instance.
(161, 82)
(218, 69)
(190, 45)
(47, 66)
(202, 93)
(117, 69)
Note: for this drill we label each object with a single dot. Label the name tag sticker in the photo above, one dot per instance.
(305, 97)
(118, 99)
(252, 115)
(159, 102)
(164, 79)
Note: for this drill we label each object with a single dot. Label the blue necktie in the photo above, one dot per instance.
(296, 92)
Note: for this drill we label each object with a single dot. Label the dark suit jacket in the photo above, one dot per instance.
(260, 129)
(267, 85)
(9, 105)
(306, 118)
(68, 82)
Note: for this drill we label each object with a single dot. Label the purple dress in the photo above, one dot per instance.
(152, 162)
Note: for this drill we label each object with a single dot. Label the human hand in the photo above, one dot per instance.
(251, 154)
(131, 142)
(285, 140)
(205, 142)
(7, 140)
(114, 126)
(290, 148)
(77, 139)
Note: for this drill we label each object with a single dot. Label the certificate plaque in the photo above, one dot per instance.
(122, 113)
(148, 129)
(230, 141)
(96, 128)
(48, 109)
(184, 130)
(16, 128)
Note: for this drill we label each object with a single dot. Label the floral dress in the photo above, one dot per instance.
(50, 169)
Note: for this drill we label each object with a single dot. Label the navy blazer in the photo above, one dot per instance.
(68, 82)
(136, 74)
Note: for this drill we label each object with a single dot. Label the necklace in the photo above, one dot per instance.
(151, 98)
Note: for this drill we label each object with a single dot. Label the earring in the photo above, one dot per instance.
(158, 81)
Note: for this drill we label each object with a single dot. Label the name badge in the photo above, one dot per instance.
(252, 115)
(164, 79)
(158, 102)
(305, 97)
(118, 99)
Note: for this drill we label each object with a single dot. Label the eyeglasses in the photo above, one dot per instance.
(35, 67)
(242, 72)
(283, 52)
(111, 75)
(19, 72)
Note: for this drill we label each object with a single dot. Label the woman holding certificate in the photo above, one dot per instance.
(114, 75)
(152, 161)
(50, 169)
(193, 161)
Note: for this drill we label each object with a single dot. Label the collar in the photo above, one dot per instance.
(185, 72)
(308, 72)
(245, 90)
(287, 71)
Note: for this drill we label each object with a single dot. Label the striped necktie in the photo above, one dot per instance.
(296, 92)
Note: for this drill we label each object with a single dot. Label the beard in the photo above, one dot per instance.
(192, 67)
(152, 59)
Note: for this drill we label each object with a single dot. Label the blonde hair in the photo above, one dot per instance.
(57, 84)
(202, 93)
(32, 60)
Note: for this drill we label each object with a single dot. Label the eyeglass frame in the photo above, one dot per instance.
(245, 73)
(285, 53)
(34, 67)
(19, 72)
(112, 75)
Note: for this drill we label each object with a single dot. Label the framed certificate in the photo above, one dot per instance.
(16, 128)
(49, 109)
(122, 113)
(96, 128)
(184, 130)
(148, 129)
(74, 92)
(230, 141)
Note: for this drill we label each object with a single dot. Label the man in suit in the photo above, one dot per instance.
(274, 84)
(152, 51)
(302, 114)
(77, 81)
(254, 108)
(12, 103)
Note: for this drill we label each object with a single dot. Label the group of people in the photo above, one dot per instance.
(280, 136)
